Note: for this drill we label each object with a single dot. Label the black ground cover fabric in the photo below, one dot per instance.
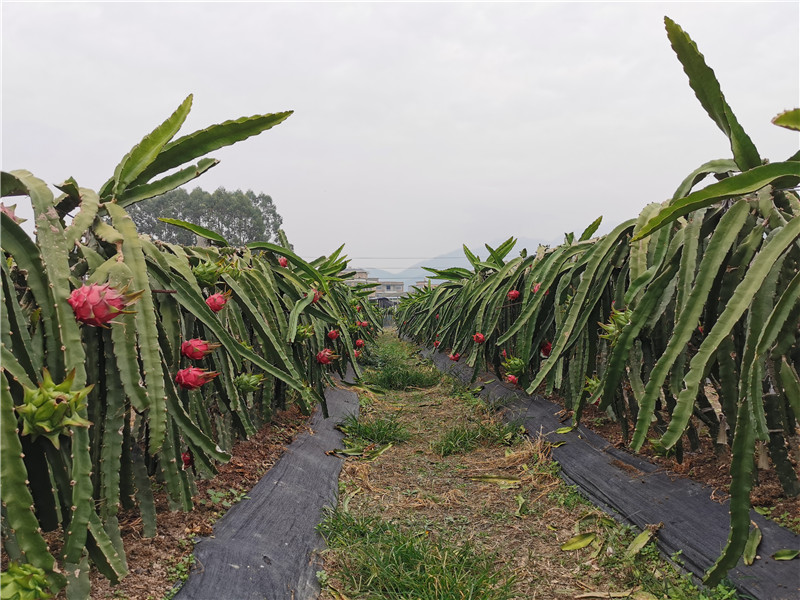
(637, 492)
(264, 547)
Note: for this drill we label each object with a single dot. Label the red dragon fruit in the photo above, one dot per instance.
(478, 338)
(187, 459)
(317, 295)
(333, 334)
(357, 353)
(360, 343)
(363, 323)
(96, 305)
(513, 295)
(436, 344)
(545, 349)
(358, 308)
(454, 356)
(536, 287)
(512, 379)
(192, 378)
(283, 261)
(196, 348)
(504, 354)
(217, 302)
(326, 356)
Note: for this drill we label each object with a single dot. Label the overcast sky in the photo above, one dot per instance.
(418, 126)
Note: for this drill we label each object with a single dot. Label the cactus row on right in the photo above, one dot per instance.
(689, 310)
(129, 364)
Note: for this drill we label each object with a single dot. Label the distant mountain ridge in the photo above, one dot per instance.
(415, 273)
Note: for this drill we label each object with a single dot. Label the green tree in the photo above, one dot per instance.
(240, 217)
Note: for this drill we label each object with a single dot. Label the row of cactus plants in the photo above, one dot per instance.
(129, 364)
(696, 298)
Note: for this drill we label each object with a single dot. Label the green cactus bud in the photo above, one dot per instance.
(51, 409)
(24, 582)
(207, 273)
(247, 382)
(305, 332)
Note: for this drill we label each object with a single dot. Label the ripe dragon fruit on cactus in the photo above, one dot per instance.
(333, 334)
(217, 302)
(512, 379)
(357, 353)
(454, 356)
(545, 349)
(513, 295)
(96, 305)
(192, 378)
(195, 349)
(326, 356)
(360, 343)
(187, 459)
(478, 338)
(317, 295)
(436, 344)
(283, 261)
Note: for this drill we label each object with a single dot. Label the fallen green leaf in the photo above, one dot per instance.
(579, 541)
(786, 554)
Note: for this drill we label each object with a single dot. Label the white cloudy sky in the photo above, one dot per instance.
(417, 126)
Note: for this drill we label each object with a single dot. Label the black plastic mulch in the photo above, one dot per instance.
(637, 492)
(265, 546)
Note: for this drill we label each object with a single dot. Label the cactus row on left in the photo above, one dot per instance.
(128, 363)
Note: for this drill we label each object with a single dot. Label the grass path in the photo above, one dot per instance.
(440, 500)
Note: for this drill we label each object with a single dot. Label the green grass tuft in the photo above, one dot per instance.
(465, 438)
(382, 560)
(376, 431)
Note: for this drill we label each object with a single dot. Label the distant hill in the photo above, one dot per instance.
(416, 273)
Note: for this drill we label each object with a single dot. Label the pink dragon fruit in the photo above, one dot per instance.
(545, 349)
(357, 353)
(360, 343)
(96, 305)
(478, 338)
(192, 378)
(333, 334)
(217, 302)
(513, 295)
(326, 356)
(436, 344)
(195, 349)
(283, 261)
(512, 379)
(454, 356)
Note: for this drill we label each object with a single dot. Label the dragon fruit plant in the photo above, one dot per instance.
(66, 309)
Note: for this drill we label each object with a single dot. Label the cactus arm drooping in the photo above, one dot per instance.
(735, 308)
(721, 241)
(601, 252)
(90, 204)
